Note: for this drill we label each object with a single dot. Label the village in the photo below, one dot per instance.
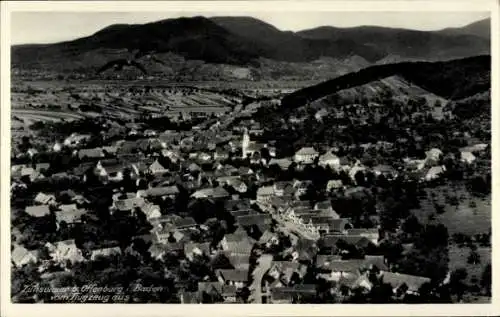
(218, 214)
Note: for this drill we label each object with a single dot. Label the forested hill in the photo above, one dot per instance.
(455, 79)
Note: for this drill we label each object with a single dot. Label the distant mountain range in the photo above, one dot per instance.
(249, 43)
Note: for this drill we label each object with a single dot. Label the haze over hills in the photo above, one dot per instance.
(245, 42)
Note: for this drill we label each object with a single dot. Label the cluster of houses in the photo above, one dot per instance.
(172, 161)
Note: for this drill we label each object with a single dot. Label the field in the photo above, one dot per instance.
(458, 259)
(37, 101)
(471, 216)
(31, 116)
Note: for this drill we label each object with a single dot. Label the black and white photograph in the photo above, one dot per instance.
(249, 156)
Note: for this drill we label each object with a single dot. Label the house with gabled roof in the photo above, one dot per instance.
(217, 192)
(31, 174)
(21, 256)
(434, 173)
(306, 155)
(404, 283)
(221, 154)
(171, 154)
(238, 185)
(45, 199)
(331, 243)
(467, 157)
(216, 291)
(237, 242)
(289, 295)
(127, 205)
(38, 211)
(301, 187)
(283, 188)
(105, 252)
(268, 239)
(433, 155)
(265, 193)
(63, 251)
(110, 169)
(237, 204)
(234, 277)
(157, 168)
(163, 192)
(240, 261)
(90, 153)
(371, 233)
(285, 271)
(69, 217)
(329, 159)
(282, 163)
(42, 167)
(386, 170)
(334, 269)
(110, 150)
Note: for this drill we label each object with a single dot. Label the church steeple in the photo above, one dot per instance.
(245, 143)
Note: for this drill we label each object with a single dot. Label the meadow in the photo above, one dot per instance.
(471, 216)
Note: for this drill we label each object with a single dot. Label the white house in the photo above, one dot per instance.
(65, 251)
(265, 193)
(433, 155)
(467, 157)
(306, 155)
(434, 172)
(329, 159)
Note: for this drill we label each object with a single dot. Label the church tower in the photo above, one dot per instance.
(245, 143)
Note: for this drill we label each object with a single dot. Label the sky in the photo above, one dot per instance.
(51, 27)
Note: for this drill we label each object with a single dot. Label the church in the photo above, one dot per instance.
(250, 148)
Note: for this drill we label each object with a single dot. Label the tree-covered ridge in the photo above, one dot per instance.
(454, 79)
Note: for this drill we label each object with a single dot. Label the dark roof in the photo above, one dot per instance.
(282, 185)
(362, 231)
(332, 240)
(90, 153)
(162, 191)
(258, 219)
(204, 247)
(244, 246)
(334, 263)
(236, 275)
(184, 222)
(246, 212)
(323, 204)
(83, 168)
(238, 260)
(302, 289)
(110, 169)
(109, 162)
(413, 282)
(301, 203)
(338, 224)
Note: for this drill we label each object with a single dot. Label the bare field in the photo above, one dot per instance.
(30, 116)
